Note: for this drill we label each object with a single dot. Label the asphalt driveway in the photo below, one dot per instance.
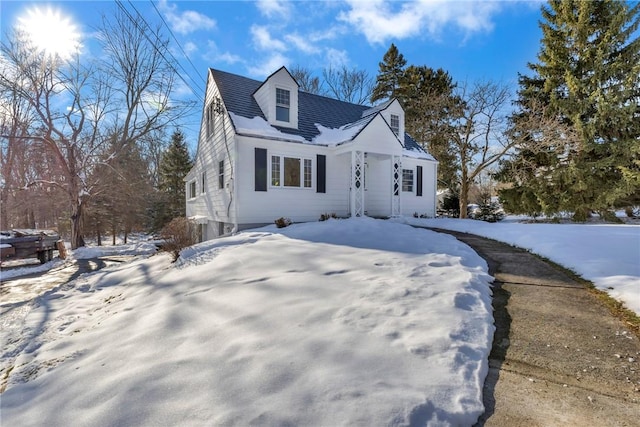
(559, 357)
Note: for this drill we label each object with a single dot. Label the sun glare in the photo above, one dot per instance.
(50, 31)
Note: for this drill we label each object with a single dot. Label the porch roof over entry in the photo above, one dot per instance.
(318, 115)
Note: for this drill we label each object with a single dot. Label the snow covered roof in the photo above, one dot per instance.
(413, 149)
(377, 108)
(321, 120)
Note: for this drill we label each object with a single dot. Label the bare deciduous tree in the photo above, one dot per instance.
(307, 81)
(15, 120)
(56, 92)
(79, 107)
(479, 138)
(484, 134)
(353, 86)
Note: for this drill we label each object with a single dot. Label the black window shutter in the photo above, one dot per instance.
(321, 173)
(419, 181)
(261, 169)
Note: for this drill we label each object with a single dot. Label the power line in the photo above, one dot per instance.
(176, 40)
(154, 43)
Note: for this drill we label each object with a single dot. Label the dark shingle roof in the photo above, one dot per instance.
(237, 95)
(411, 144)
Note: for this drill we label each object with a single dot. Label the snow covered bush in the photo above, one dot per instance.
(490, 212)
(326, 216)
(283, 222)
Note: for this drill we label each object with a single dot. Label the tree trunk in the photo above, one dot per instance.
(77, 240)
(99, 232)
(4, 216)
(464, 194)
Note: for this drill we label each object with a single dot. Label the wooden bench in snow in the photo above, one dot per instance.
(26, 243)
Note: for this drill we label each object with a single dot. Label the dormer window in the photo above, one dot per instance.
(395, 124)
(283, 103)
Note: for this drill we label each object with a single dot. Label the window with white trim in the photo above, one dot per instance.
(203, 187)
(395, 124)
(283, 104)
(291, 172)
(221, 174)
(275, 171)
(307, 173)
(407, 180)
(192, 189)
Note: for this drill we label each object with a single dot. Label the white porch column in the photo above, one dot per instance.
(396, 185)
(357, 184)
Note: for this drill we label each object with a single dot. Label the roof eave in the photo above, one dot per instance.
(275, 138)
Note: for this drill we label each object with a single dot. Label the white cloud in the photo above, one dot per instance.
(214, 55)
(185, 22)
(267, 67)
(263, 39)
(337, 58)
(229, 58)
(271, 8)
(301, 43)
(380, 20)
(189, 48)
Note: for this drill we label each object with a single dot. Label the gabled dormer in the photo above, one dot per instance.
(278, 99)
(393, 114)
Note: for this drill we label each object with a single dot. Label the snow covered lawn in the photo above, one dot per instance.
(344, 322)
(606, 254)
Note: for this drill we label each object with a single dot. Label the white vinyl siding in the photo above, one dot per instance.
(425, 204)
(216, 204)
(298, 203)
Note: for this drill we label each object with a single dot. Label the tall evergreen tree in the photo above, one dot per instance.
(588, 74)
(390, 72)
(174, 166)
(430, 106)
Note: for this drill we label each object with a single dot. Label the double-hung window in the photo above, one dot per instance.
(283, 104)
(395, 124)
(221, 174)
(192, 189)
(291, 172)
(407, 180)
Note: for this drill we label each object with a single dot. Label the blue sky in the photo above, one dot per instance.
(472, 40)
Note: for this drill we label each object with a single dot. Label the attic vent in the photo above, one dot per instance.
(218, 108)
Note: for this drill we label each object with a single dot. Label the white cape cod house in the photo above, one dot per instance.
(267, 150)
